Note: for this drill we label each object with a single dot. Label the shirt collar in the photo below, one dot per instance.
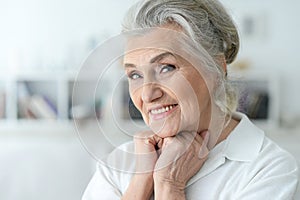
(243, 144)
(245, 141)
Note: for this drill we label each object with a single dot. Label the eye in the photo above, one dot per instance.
(134, 76)
(167, 68)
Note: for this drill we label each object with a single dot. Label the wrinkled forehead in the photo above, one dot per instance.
(147, 56)
(143, 45)
(153, 38)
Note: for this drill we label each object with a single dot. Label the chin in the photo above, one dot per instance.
(167, 127)
(166, 131)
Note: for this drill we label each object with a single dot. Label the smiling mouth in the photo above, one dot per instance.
(163, 109)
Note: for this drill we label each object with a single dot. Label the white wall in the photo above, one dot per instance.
(57, 34)
(47, 167)
(275, 46)
(42, 33)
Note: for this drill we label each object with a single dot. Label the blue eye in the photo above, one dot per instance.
(167, 68)
(134, 76)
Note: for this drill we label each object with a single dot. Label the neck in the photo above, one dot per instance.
(232, 123)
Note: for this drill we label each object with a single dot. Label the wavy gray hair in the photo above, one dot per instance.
(206, 22)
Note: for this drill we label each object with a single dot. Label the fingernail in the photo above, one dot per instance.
(206, 138)
(203, 149)
(147, 141)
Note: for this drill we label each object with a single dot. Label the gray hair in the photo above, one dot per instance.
(205, 21)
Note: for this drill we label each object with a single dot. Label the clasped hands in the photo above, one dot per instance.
(168, 163)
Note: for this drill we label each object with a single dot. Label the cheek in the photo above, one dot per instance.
(137, 100)
(202, 92)
(187, 98)
(135, 96)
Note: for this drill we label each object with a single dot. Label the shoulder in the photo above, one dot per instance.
(247, 142)
(274, 172)
(273, 166)
(274, 157)
(112, 174)
(121, 159)
(259, 155)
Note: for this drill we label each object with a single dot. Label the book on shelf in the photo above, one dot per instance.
(255, 104)
(40, 108)
(34, 106)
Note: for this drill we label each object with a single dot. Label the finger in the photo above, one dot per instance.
(154, 141)
(185, 139)
(199, 138)
(203, 152)
(174, 147)
(149, 141)
(143, 135)
(158, 141)
(203, 133)
(144, 143)
(166, 142)
(187, 136)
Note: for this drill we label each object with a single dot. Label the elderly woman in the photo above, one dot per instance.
(199, 147)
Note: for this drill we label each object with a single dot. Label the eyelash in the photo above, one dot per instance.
(132, 74)
(167, 66)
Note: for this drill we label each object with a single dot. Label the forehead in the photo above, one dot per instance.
(148, 44)
(142, 55)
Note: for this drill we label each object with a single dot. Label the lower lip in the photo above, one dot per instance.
(162, 115)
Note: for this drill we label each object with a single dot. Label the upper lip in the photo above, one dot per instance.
(155, 107)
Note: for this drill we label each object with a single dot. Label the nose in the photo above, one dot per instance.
(151, 92)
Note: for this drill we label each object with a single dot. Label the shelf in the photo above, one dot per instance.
(107, 95)
(37, 99)
(87, 99)
(41, 101)
(36, 127)
(259, 96)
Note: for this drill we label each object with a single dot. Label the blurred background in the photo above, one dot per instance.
(43, 44)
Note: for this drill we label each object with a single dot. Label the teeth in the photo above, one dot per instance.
(161, 110)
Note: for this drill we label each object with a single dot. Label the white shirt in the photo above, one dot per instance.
(247, 165)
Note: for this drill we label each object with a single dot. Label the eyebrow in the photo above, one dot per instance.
(153, 60)
(161, 56)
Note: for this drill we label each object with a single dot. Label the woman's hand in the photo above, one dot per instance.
(181, 158)
(141, 185)
(146, 145)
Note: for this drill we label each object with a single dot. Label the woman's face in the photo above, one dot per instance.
(169, 92)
